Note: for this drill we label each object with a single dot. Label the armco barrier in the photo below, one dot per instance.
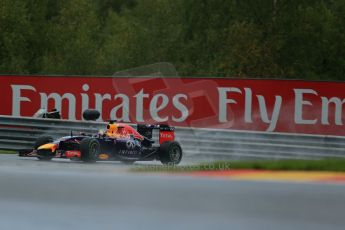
(199, 144)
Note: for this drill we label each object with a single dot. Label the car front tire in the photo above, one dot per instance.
(89, 149)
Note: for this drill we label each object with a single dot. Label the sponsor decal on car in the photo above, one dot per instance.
(130, 144)
(128, 152)
(72, 153)
(103, 156)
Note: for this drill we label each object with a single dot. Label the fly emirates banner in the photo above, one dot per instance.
(260, 105)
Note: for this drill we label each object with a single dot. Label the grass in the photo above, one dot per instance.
(8, 152)
(331, 164)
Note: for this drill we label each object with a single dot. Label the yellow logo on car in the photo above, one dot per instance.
(103, 156)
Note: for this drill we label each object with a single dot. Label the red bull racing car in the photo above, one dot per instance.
(119, 142)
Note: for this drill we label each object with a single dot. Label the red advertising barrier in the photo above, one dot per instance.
(261, 105)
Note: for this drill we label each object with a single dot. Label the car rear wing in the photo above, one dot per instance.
(166, 132)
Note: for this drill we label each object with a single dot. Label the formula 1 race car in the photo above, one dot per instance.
(120, 142)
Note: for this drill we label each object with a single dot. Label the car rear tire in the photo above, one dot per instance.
(91, 115)
(43, 155)
(170, 152)
(89, 149)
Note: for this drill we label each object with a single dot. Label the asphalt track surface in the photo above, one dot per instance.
(71, 195)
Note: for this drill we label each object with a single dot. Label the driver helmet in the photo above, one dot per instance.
(112, 129)
(115, 130)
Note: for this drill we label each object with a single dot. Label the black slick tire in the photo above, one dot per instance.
(170, 152)
(89, 149)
